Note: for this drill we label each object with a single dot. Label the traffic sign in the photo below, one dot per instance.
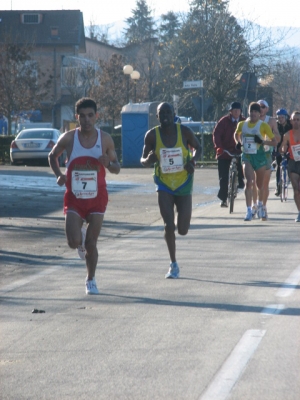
(192, 84)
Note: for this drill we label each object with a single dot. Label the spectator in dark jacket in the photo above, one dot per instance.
(223, 139)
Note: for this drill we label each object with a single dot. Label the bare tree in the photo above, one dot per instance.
(110, 94)
(98, 32)
(78, 77)
(22, 84)
(285, 81)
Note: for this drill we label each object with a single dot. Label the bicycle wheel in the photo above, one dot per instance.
(232, 192)
(285, 186)
(281, 185)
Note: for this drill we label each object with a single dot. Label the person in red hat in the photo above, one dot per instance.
(223, 139)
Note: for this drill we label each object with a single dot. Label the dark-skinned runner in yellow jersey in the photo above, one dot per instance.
(168, 146)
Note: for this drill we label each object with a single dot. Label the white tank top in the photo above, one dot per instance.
(255, 130)
(79, 151)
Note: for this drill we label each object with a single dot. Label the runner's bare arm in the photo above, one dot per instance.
(275, 130)
(109, 157)
(237, 133)
(149, 157)
(194, 145)
(57, 150)
(270, 139)
(285, 142)
(193, 142)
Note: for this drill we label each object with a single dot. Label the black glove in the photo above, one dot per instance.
(257, 139)
(238, 146)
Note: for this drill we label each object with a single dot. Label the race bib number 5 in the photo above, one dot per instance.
(84, 184)
(171, 160)
(249, 145)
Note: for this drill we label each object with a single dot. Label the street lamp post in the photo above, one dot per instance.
(135, 75)
(127, 71)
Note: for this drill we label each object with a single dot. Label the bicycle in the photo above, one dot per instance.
(233, 180)
(284, 181)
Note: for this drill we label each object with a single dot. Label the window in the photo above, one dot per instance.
(54, 31)
(31, 18)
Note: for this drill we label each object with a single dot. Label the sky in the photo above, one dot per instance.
(263, 12)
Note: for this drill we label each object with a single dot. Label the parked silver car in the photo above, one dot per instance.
(34, 144)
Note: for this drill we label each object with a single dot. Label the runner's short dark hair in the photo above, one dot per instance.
(85, 102)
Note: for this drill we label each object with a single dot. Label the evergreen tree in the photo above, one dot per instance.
(141, 25)
(169, 27)
(211, 49)
(208, 5)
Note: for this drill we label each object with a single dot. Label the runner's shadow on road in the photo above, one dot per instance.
(127, 300)
(228, 226)
(215, 306)
(27, 259)
(266, 284)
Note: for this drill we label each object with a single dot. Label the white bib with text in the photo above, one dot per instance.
(84, 184)
(171, 160)
(249, 145)
(296, 152)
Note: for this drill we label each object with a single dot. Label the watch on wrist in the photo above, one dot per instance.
(110, 164)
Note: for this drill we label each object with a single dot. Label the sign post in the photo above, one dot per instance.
(192, 84)
(197, 85)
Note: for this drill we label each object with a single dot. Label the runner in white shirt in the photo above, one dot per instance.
(89, 152)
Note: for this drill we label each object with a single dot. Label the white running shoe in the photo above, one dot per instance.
(259, 211)
(173, 272)
(81, 248)
(264, 215)
(248, 216)
(91, 287)
(254, 211)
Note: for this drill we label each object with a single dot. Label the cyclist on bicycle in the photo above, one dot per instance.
(291, 143)
(251, 134)
(223, 139)
(284, 125)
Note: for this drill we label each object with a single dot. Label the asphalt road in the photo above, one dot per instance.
(229, 328)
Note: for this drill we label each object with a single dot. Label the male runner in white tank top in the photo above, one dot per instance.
(89, 152)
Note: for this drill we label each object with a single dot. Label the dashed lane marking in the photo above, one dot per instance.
(234, 366)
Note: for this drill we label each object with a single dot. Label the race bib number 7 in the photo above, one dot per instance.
(84, 184)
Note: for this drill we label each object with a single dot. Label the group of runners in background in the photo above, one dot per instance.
(260, 139)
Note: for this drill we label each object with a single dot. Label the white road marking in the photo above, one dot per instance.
(290, 284)
(231, 370)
